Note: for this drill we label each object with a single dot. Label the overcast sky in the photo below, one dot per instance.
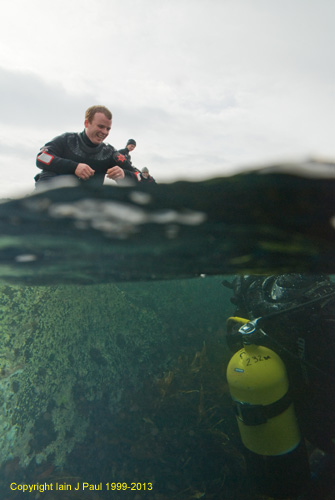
(204, 86)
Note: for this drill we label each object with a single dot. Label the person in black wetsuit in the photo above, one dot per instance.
(146, 177)
(84, 155)
(130, 146)
(298, 312)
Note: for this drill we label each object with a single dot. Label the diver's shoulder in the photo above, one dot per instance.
(108, 147)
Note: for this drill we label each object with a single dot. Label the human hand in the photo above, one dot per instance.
(84, 171)
(115, 173)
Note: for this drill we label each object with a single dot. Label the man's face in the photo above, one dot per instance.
(98, 129)
(131, 147)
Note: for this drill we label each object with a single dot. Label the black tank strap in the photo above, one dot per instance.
(259, 414)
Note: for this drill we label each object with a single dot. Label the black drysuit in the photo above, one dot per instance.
(62, 154)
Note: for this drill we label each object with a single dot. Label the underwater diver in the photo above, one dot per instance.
(294, 316)
(84, 155)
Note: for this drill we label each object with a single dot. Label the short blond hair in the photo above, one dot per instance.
(90, 112)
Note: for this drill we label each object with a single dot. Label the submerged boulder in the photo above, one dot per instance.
(62, 349)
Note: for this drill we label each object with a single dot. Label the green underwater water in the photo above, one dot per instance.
(116, 383)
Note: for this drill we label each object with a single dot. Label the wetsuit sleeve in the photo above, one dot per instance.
(129, 170)
(52, 157)
(132, 175)
(121, 161)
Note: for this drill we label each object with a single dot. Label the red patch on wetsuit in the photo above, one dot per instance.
(120, 158)
(45, 158)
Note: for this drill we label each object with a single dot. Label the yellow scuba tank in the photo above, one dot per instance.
(274, 450)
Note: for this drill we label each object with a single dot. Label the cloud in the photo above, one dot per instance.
(27, 100)
(8, 150)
